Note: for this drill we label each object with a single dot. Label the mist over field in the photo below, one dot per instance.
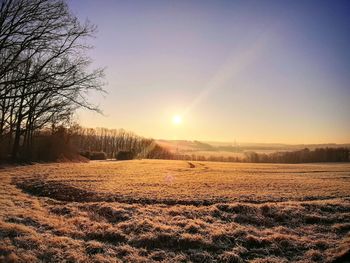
(236, 149)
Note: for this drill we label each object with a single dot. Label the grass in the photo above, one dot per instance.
(175, 211)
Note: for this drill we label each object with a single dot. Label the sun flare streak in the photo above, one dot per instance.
(229, 69)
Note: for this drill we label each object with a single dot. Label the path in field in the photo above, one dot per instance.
(191, 165)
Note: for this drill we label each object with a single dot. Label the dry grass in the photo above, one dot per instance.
(170, 211)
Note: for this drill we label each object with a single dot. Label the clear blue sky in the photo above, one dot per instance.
(254, 71)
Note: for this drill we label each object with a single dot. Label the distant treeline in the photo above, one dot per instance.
(73, 142)
(112, 141)
(300, 156)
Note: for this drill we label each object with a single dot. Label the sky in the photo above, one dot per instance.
(250, 71)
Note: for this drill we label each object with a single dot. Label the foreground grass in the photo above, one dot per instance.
(172, 211)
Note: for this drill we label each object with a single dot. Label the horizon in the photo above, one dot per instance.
(265, 72)
(254, 143)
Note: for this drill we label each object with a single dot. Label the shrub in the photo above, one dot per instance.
(98, 156)
(124, 155)
(94, 155)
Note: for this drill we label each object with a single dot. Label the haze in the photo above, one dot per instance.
(253, 71)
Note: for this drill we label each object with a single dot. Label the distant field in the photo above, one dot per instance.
(216, 153)
(230, 149)
(193, 182)
(175, 211)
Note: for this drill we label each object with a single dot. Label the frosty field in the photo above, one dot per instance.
(175, 211)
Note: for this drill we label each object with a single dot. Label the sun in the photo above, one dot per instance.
(177, 119)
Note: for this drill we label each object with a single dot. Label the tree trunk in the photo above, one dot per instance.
(16, 141)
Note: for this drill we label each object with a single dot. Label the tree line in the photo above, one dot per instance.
(306, 155)
(111, 142)
(44, 71)
(341, 154)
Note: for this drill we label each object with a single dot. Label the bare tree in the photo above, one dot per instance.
(44, 72)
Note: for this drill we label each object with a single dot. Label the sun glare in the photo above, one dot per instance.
(177, 120)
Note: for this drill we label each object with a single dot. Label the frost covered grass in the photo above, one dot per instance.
(171, 211)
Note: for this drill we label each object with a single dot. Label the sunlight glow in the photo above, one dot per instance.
(177, 120)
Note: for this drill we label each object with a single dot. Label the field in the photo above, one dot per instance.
(175, 211)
